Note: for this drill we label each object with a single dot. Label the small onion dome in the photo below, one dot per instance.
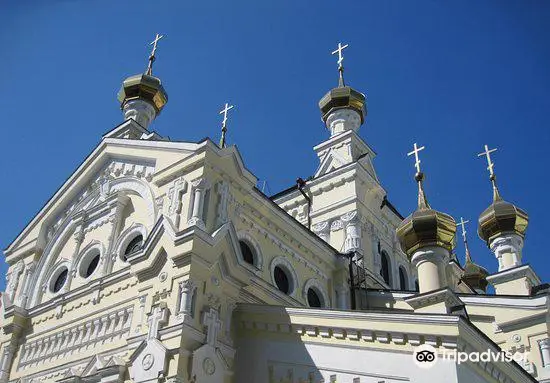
(145, 87)
(343, 97)
(426, 227)
(475, 275)
(501, 217)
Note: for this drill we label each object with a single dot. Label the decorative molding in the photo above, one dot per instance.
(110, 326)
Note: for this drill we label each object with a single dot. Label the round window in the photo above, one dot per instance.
(313, 299)
(281, 279)
(59, 280)
(135, 245)
(89, 264)
(247, 253)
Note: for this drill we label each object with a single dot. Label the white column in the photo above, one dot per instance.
(199, 190)
(507, 249)
(430, 263)
(29, 272)
(140, 111)
(353, 232)
(342, 296)
(185, 309)
(13, 280)
(544, 346)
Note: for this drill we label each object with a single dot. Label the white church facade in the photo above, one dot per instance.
(161, 261)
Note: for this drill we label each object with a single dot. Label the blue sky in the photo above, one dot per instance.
(450, 75)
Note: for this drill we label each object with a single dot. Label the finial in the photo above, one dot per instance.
(462, 224)
(490, 167)
(224, 111)
(419, 177)
(340, 61)
(152, 56)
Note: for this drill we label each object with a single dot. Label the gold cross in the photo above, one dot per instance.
(340, 55)
(491, 164)
(415, 152)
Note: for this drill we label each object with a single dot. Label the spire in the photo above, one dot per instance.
(492, 176)
(462, 224)
(419, 177)
(339, 50)
(224, 111)
(152, 55)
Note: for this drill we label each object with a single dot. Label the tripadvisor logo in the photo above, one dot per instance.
(426, 356)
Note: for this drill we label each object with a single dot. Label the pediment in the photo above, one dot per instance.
(112, 160)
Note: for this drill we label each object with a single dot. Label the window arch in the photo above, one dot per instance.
(250, 250)
(403, 279)
(314, 294)
(130, 241)
(283, 275)
(385, 268)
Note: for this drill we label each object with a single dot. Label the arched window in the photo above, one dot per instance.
(281, 279)
(313, 298)
(247, 252)
(59, 280)
(385, 267)
(135, 245)
(403, 285)
(416, 287)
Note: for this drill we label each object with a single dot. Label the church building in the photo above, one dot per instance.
(161, 261)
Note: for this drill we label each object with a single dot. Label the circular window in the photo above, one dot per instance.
(313, 299)
(89, 263)
(281, 279)
(135, 245)
(247, 253)
(59, 280)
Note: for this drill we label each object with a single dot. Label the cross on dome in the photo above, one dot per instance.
(224, 111)
(415, 152)
(152, 56)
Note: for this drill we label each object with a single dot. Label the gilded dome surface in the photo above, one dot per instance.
(145, 87)
(426, 226)
(501, 217)
(343, 97)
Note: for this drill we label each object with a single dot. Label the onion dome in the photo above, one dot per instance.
(343, 97)
(475, 275)
(145, 87)
(501, 217)
(426, 226)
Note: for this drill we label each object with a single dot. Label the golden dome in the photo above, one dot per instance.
(501, 217)
(340, 98)
(426, 226)
(145, 87)
(475, 275)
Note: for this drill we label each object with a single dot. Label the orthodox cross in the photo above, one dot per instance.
(152, 56)
(415, 152)
(211, 320)
(224, 111)
(462, 224)
(340, 61)
(491, 164)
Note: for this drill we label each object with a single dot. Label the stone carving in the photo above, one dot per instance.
(147, 361)
(175, 193)
(223, 192)
(208, 366)
(212, 321)
(336, 225)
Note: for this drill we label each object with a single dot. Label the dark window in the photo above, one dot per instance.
(416, 287)
(313, 299)
(92, 266)
(402, 279)
(134, 245)
(385, 269)
(60, 281)
(248, 255)
(281, 279)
